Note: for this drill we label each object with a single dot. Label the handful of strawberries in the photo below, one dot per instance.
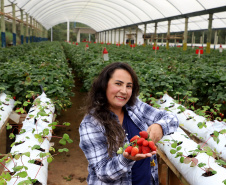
(139, 145)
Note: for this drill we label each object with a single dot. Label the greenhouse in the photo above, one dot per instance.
(113, 92)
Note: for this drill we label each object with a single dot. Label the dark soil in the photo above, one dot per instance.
(70, 168)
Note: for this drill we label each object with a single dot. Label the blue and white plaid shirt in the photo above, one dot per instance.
(104, 170)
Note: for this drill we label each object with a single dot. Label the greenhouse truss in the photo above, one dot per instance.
(110, 14)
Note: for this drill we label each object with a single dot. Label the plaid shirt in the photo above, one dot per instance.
(117, 170)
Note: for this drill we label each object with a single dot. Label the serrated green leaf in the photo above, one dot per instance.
(172, 151)
(22, 174)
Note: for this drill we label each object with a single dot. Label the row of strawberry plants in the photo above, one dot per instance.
(174, 70)
(35, 68)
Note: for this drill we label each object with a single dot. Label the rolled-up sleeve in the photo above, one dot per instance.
(167, 120)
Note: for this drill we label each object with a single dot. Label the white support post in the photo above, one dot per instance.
(51, 34)
(68, 31)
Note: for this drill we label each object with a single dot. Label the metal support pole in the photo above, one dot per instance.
(215, 39)
(145, 29)
(115, 36)
(155, 35)
(130, 33)
(22, 27)
(68, 31)
(26, 31)
(3, 25)
(136, 35)
(119, 35)
(185, 35)
(168, 35)
(31, 31)
(209, 33)
(124, 34)
(192, 39)
(162, 39)
(51, 34)
(14, 24)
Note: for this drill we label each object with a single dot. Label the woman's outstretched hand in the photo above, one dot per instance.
(138, 157)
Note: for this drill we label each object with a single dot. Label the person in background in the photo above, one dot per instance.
(114, 115)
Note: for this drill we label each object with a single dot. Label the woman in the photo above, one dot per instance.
(114, 115)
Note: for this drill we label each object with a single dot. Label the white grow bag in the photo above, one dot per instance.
(34, 171)
(7, 109)
(194, 175)
(191, 125)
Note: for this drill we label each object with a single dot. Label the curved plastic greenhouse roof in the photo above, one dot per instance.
(104, 15)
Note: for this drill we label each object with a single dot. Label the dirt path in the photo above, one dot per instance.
(71, 167)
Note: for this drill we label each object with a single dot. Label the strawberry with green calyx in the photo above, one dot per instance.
(145, 149)
(134, 138)
(140, 141)
(144, 134)
(152, 146)
(128, 149)
(134, 151)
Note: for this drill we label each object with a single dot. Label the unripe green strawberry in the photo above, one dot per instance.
(145, 143)
(145, 149)
(134, 151)
(120, 150)
(140, 141)
(152, 146)
(143, 134)
(128, 149)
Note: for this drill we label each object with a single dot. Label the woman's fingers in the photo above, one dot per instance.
(138, 157)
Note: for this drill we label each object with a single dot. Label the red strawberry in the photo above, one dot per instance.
(140, 141)
(140, 149)
(145, 149)
(134, 151)
(145, 143)
(14, 97)
(143, 134)
(152, 146)
(134, 138)
(221, 115)
(128, 149)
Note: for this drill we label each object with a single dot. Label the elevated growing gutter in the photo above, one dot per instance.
(34, 124)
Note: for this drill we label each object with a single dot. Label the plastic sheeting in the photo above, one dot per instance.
(109, 14)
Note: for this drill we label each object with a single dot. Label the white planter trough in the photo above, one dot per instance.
(194, 175)
(6, 108)
(191, 125)
(34, 125)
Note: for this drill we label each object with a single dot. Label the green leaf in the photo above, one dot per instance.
(66, 124)
(62, 141)
(22, 174)
(66, 136)
(201, 165)
(25, 182)
(182, 159)
(174, 145)
(11, 136)
(49, 159)
(172, 151)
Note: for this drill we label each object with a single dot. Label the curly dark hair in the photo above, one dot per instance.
(97, 104)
